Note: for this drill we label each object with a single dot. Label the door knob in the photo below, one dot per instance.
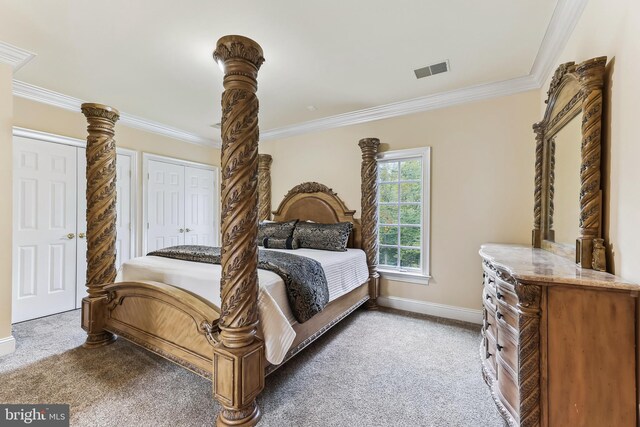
(70, 236)
(82, 235)
(182, 230)
(188, 230)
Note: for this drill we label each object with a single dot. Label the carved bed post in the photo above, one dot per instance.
(591, 78)
(101, 219)
(369, 215)
(264, 187)
(238, 357)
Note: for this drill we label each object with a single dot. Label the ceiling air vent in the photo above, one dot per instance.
(430, 70)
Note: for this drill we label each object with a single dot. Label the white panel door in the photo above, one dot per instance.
(123, 218)
(200, 221)
(165, 205)
(44, 224)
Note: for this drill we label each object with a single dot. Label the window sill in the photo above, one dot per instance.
(405, 276)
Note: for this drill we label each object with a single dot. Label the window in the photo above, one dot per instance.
(403, 214)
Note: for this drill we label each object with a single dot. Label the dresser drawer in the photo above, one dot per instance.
(508, 388)
(507, 318)
(505, 293)
(490, 280)
(490, 300)
(490, 324)
(508, 350)
(491, 350)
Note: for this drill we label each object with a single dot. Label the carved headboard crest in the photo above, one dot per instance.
(310, 187)
(316, 202)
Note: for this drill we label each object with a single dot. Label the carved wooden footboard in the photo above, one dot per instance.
(176, 324)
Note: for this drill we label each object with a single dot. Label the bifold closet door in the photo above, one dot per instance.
(200, 221)
(165, 205)
(44, 223)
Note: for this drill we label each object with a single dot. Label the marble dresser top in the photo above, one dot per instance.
(528, 264)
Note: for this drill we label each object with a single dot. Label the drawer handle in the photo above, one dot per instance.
(487, 323)
(491, 281)
(499, 347)
(489, 355)
(499, 315)
(499, 295)
(488, 297)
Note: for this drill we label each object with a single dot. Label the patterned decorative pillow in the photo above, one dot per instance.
(328, 237)
(273, 243)
(275, 230)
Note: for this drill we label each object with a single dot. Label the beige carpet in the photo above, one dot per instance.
(374, 369)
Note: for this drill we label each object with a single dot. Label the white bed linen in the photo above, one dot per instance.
(344, 271)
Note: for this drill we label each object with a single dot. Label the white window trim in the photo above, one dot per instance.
(145, 184)
(414, 276)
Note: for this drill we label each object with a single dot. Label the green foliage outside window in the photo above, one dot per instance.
(400, 213)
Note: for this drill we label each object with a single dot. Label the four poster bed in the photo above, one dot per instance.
(223, 339)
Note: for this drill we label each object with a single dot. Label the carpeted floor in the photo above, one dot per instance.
(376, 368)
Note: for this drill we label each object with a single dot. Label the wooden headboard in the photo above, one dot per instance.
(312, 201)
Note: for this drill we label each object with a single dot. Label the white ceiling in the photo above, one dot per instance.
(152, 59)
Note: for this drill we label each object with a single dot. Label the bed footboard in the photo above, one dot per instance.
(177, 325)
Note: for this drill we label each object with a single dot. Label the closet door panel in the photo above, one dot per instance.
(165, 205)
(44, 224)
(200, 221)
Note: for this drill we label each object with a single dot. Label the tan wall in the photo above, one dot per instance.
(612, 28)
(482, 182)
(45, 118)
(6, 177)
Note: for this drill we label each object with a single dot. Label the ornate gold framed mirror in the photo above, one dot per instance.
(568, 193)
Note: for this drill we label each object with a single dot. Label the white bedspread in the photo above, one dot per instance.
(345, 271)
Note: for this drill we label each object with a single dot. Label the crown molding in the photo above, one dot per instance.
(46, 96)
(416, 105)
(164, 130)
(14, 56)
(564, 19)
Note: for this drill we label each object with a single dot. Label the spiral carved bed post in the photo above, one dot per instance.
(369, 216)
(101, 219)
(264, 187)
(238, 357)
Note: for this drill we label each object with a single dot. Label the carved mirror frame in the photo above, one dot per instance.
(575, 88)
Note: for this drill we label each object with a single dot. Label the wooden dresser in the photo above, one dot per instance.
(558, 346)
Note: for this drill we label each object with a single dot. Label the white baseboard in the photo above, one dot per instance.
(7, 345)
(432, 309)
